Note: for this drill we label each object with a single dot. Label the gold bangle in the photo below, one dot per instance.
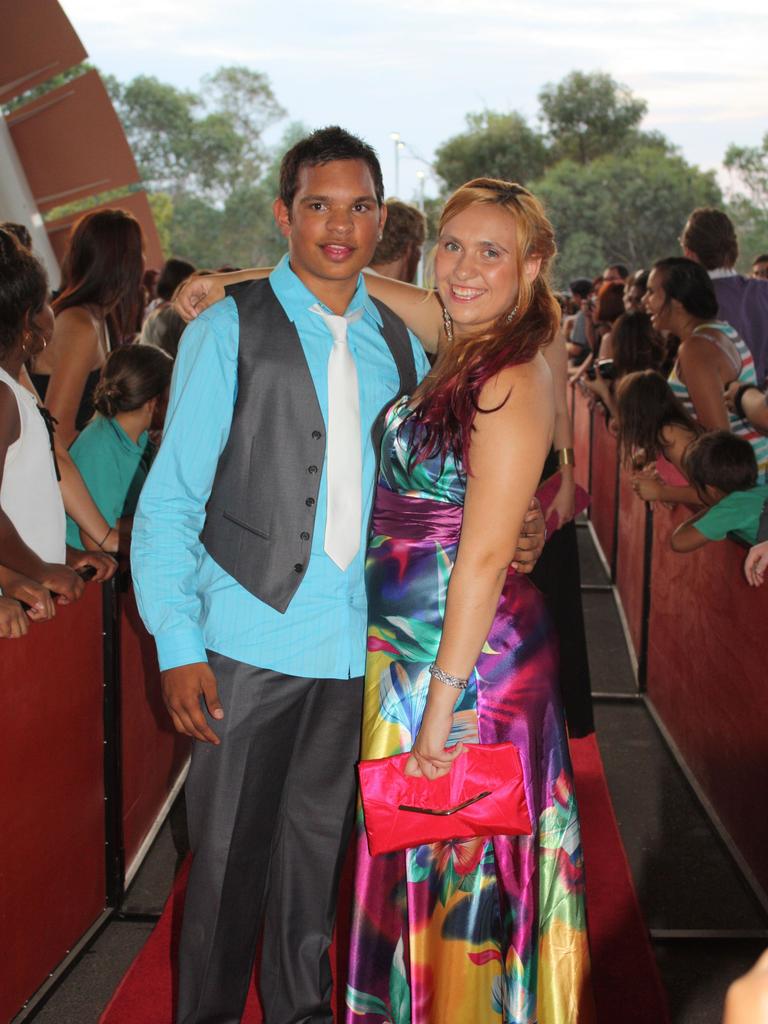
(565, 457)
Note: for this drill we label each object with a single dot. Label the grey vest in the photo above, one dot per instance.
(261, 512)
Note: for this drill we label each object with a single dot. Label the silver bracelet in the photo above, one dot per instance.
(456, 681)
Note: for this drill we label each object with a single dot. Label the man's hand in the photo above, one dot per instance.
(530, 543)
(756, 563)
(183, 688)
(34, 595)
(196, 294)
(13, 621)
(63, 582)
(104, 564)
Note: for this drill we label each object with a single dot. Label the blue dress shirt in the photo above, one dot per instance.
(187, 601)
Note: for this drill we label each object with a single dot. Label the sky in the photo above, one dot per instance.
(417, 67)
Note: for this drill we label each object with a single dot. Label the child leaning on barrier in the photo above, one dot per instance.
(723, 469)
(113, 451)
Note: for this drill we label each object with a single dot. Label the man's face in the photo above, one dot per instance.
(760, 269)
(612, 275)
(333, 224)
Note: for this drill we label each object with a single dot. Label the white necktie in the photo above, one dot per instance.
(343, 451)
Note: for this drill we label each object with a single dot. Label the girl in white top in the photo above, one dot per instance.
(32, 520)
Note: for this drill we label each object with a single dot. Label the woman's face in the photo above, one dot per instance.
(476, 266)
(655, 302)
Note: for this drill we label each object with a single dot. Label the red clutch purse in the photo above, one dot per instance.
(547, 492)
(483, 794)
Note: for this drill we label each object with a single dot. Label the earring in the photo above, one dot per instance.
(448, 324)
(511, 315)
(381, 236)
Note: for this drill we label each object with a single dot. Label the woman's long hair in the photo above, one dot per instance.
(637, 345)
(646, 404)
(449, 398)
(103, 267)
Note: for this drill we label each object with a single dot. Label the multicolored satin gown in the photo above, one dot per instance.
(478, 931)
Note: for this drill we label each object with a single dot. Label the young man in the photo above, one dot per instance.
(248, 554)
(709, 238)
(399, 251)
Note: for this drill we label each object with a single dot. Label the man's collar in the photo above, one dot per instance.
(296, 297)
(719, 272)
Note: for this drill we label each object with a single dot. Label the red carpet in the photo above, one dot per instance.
(627, 985)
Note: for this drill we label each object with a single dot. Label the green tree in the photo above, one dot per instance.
(622, 209)
(588, 115)
(492, 145)
(748, 207)
(204, 144)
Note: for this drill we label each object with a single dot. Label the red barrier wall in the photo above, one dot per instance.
(604, 485)
(581, 436)
(630, 559)
(707, 676)
(153, 753)
(52, 872)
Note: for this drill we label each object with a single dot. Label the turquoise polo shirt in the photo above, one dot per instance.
(113, 467)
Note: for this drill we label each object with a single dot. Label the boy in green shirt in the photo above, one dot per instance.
(722, 468)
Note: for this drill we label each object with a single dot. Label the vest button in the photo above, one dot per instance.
(316, 435)
(304, 535)
(309, 502)
(311, 469)
(298, 567)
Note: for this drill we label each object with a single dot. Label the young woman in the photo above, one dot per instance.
(460, 647)
(654, 431)
(32, 522)
(102, 289)
(112, 453)
(711, 356)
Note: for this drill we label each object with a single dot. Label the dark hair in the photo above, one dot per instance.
(405, 226)
(23, 288)
(723, 460)
(132, 375)
(645, 405)
(103, 266)
(610, 302)
(620, 269)
(321, 147)
(760, 259)
(636, 344)
(173, 273)
(582, 286)
(449, 396)
(689, 283)
(640, 279)
(163, 328)
(711, 235)
(19, 231)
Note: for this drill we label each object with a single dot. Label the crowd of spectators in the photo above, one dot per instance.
(680, 372)
(676, 354)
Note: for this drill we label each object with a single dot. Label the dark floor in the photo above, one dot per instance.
(686, 880)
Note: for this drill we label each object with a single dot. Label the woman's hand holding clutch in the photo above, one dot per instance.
(429, 758)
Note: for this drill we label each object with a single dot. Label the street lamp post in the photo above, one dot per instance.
(399, 144)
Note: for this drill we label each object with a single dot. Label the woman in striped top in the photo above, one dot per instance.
(711, 356)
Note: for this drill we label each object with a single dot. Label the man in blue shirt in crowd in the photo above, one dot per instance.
(248, 556)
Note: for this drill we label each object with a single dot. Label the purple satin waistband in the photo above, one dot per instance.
(400, 515)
